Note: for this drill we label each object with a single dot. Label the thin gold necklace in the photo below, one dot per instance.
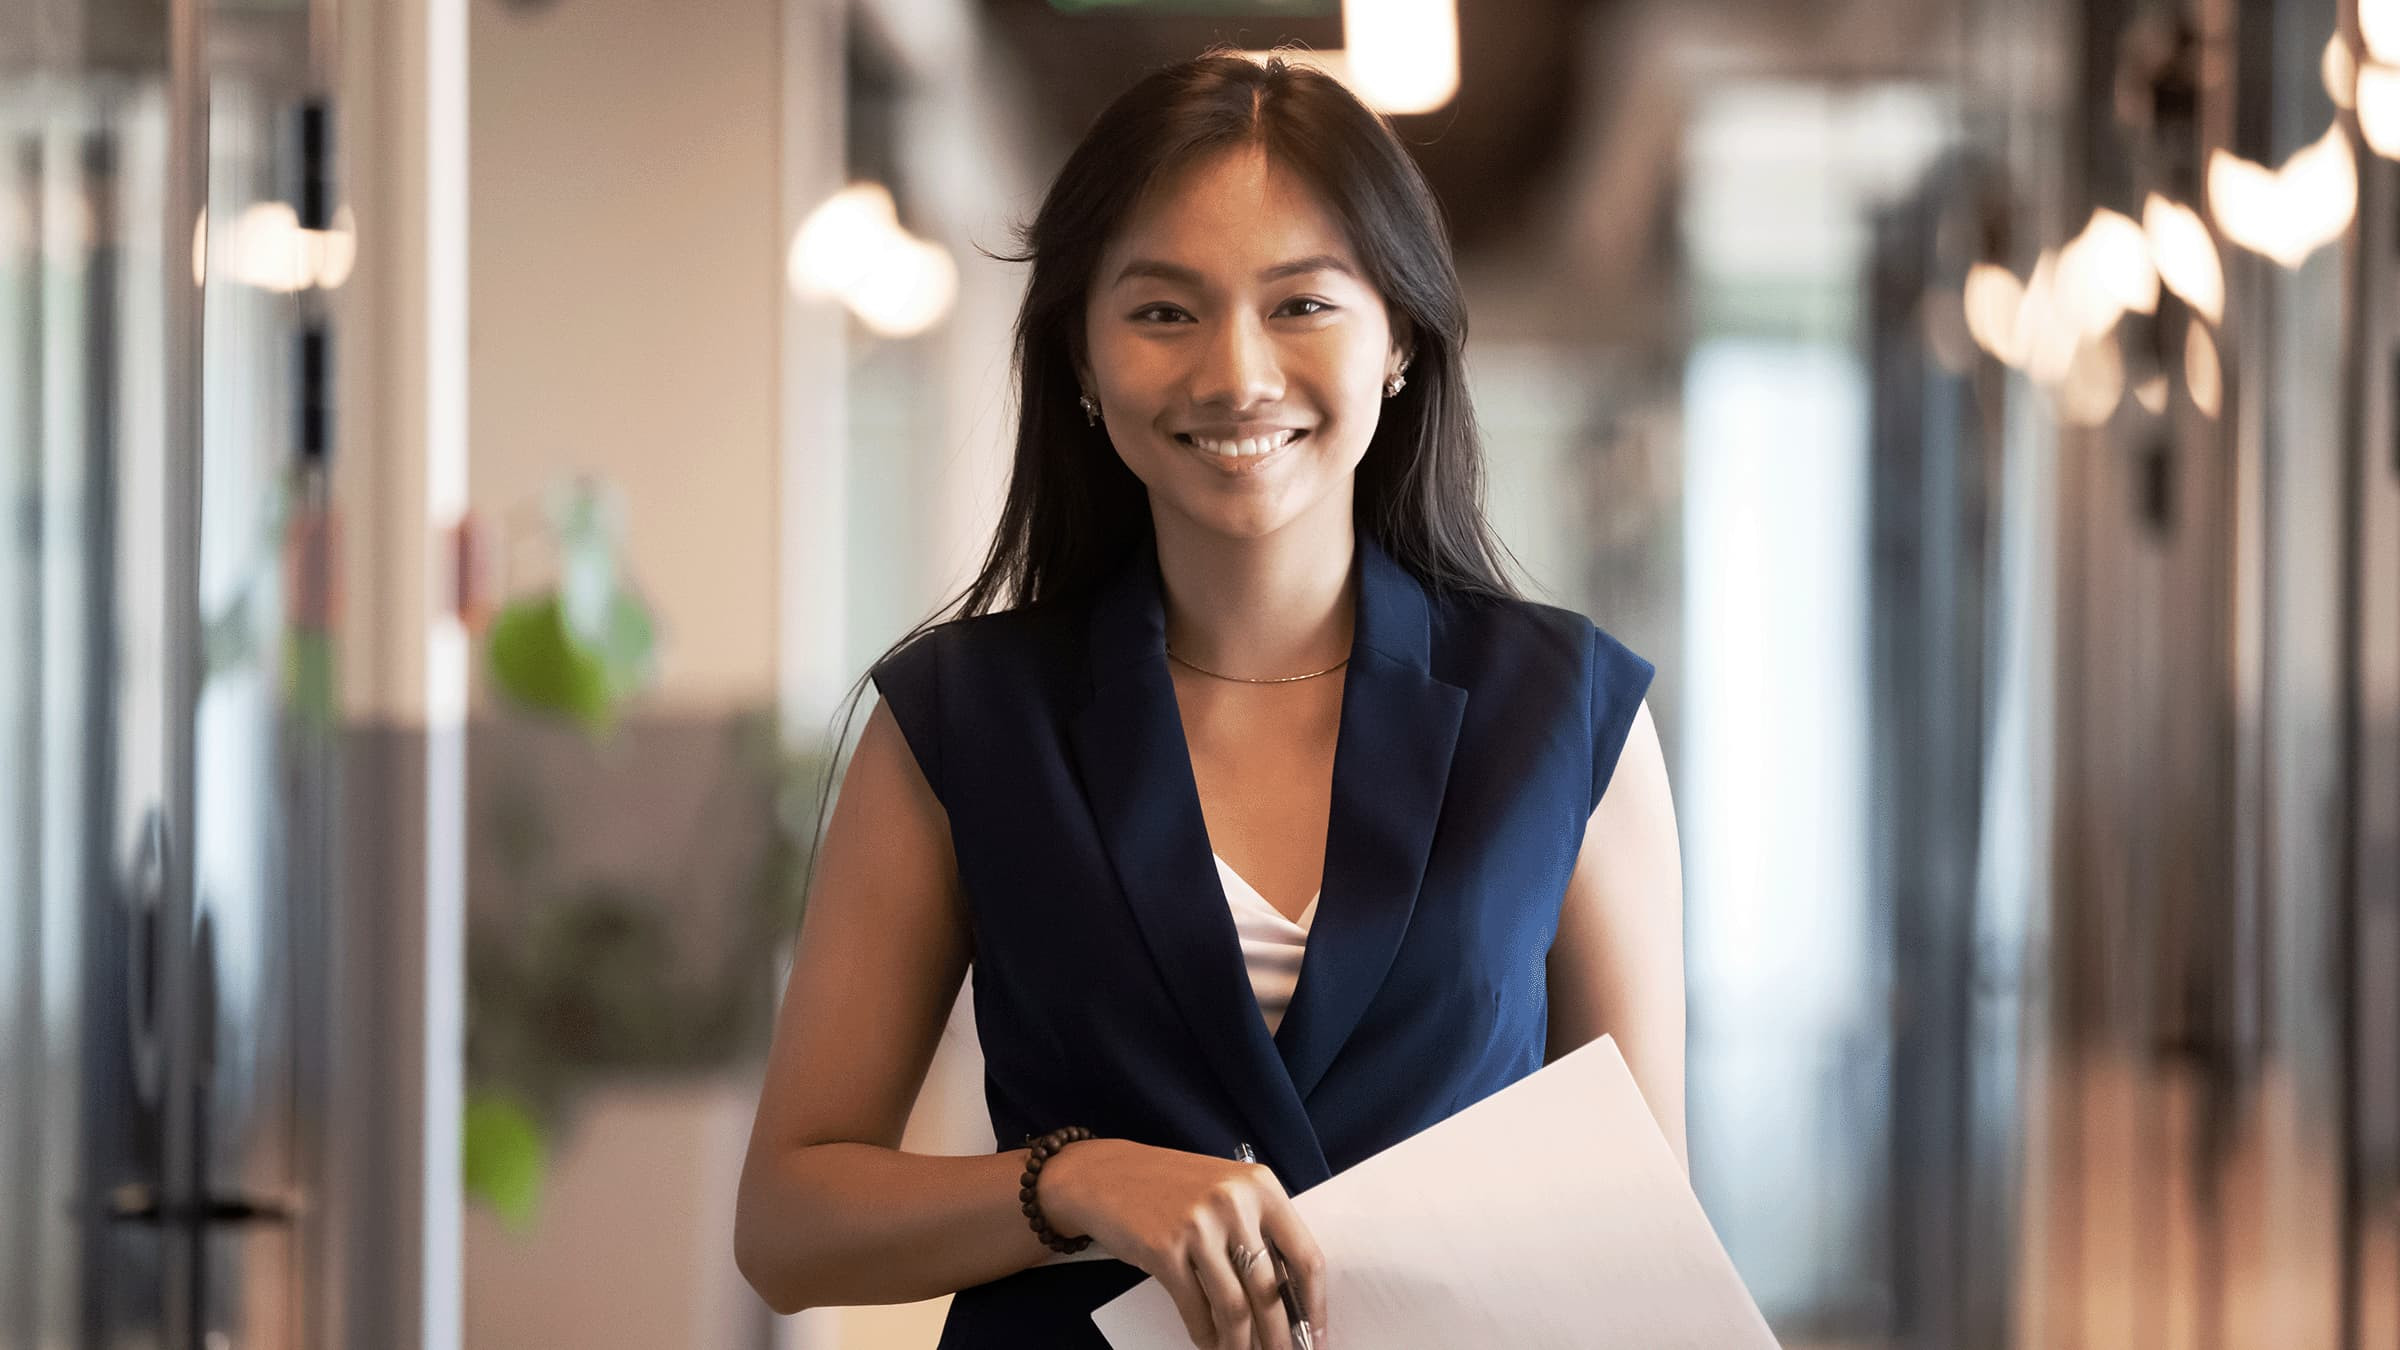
(1272, 679)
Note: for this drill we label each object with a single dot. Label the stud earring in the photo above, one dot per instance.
(1393, 386)
(1091, 410)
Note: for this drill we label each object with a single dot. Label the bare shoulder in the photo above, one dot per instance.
(1616, 964)
(887, 798)
(882, 952)
(1638, 796)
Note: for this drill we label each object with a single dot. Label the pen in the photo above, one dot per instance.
(1283, 1276)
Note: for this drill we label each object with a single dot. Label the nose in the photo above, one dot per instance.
(1238, 367)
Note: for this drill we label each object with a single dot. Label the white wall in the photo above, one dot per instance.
(625, 269)
(624, 264)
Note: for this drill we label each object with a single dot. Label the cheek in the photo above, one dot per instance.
(1362, 390)
(1363, 371)
(1139, 374)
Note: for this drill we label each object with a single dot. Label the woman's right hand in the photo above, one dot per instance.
(1178, 1216)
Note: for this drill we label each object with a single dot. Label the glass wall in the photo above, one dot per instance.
(164, 715)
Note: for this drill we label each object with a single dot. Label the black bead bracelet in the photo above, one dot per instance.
(1043, 1147)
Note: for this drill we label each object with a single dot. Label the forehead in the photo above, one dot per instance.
(1228, 215)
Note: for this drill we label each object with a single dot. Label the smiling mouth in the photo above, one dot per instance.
(1252, 447)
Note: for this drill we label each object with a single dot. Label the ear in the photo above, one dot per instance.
(1404, 342)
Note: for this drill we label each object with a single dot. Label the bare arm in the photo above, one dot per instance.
(830, 1212)
(1616, 967)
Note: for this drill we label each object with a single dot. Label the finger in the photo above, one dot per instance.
(1274, 1328)
(1303, 1259)
(1229, 1306)
(1191, 1303)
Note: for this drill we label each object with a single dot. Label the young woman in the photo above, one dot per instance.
(1265, 810)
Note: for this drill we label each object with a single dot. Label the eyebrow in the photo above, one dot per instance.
(1167, 271)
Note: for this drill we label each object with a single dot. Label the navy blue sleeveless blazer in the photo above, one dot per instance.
(1476, 737)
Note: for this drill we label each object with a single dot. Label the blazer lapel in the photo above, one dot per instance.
(1137, 772)
(1391, 765)
(1391, 762)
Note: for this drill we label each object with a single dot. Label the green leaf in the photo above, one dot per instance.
(538, 664)
(535, 664)
(503, 1158)
(585, 647)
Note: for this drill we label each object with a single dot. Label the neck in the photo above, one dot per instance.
(1259, 608)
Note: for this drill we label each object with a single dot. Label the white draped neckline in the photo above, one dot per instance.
(1238, 890)
(1273, 945)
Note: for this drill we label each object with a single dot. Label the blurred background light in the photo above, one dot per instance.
(852, 248)
(1994, 297)
(2048, 333)
(841, 240)
(2105, 272)
(270, 251)
(2201, 373)
(1403, 54)
(2185, 255)
(2379, 109)
(2094, 383)
(2151, 393)
(334, 251)
(909, 292)
(2287, 213)
(2050, 323)
(2379, 25)
(2340, 71)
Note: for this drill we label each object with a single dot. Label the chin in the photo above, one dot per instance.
(1236, 524)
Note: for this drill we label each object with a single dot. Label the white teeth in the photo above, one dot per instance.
(1247, 448)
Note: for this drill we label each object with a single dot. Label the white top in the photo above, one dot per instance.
(1272, 945)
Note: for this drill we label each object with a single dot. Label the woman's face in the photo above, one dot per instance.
(1237, 350)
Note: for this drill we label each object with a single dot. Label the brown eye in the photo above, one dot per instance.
(1321, 307)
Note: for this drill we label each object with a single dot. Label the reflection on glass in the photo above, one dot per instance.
(83, 357)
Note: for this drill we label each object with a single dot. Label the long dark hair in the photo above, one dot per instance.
(1073, 508)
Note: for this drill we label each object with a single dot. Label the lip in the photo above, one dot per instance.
(1238, 433)
(1234, 467)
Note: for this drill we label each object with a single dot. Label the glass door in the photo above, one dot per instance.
(93, 791)
(166, 235)
(262, 716)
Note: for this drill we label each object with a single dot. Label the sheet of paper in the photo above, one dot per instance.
(1550, 1214)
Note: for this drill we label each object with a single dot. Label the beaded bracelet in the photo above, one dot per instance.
(1042, 1150)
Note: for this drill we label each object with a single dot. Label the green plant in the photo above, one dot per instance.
(592, 981)
(589, 979)
(585, 648)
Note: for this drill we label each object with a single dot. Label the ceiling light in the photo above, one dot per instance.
(1403, 54)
